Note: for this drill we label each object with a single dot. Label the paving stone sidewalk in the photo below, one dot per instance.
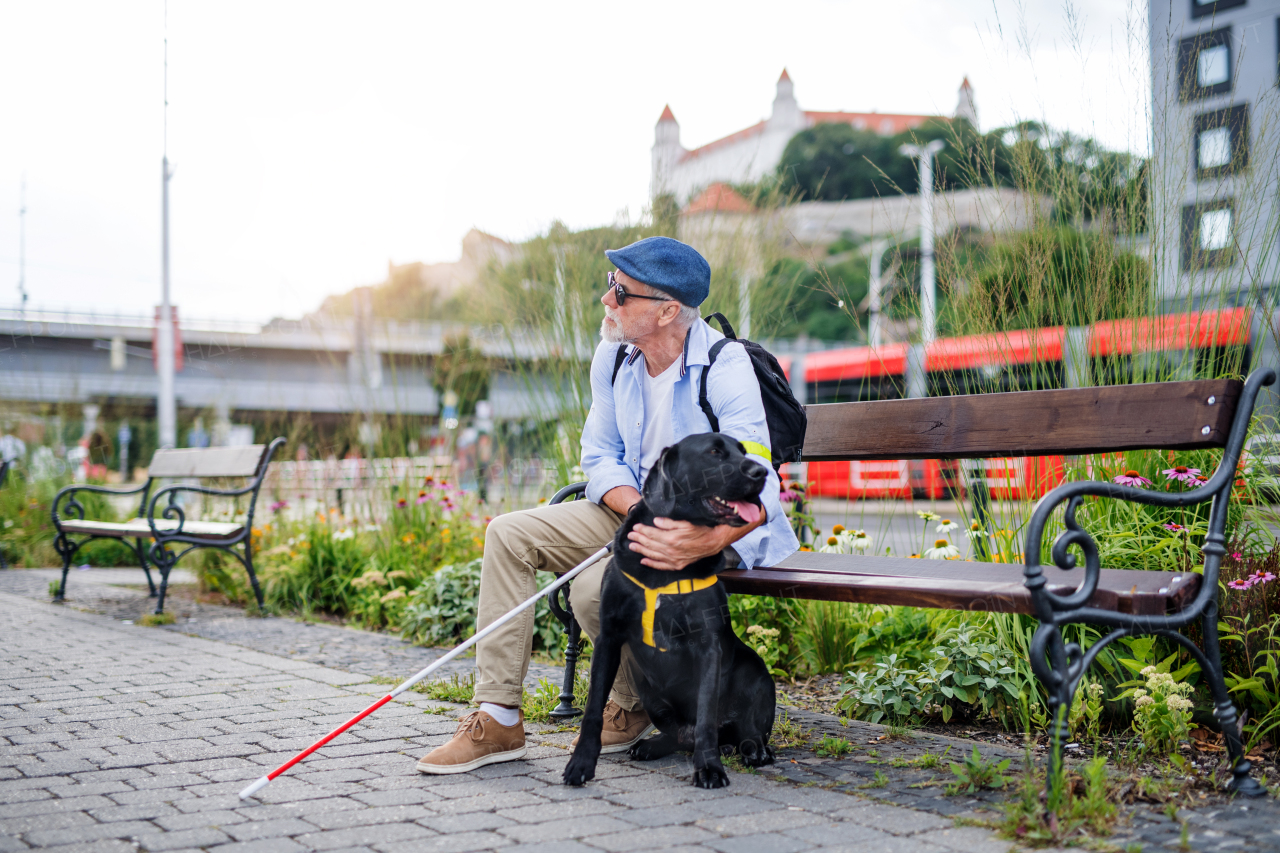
(118, 737)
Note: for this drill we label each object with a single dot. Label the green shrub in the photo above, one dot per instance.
(967, 672)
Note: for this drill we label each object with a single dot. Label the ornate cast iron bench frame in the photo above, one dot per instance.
(1168, 415)
(170, 527)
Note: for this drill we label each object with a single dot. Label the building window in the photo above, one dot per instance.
(1222, 141)
(1209, 7)
(1204, 65)
(1208, 235)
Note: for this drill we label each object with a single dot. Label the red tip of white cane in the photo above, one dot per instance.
(255, 788)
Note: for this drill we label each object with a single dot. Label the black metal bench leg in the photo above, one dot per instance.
(140, 549)
(164, 568)
(1055, 672)
(562, 610)
(253, 576)
(67, 549)
(1224, 710)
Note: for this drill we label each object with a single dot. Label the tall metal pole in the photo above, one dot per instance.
(928, 287)
(22, 249)
(166, 408)
(875, 322)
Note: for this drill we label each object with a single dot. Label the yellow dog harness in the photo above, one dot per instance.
(683, 587)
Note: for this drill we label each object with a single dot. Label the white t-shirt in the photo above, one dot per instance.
(657, 432)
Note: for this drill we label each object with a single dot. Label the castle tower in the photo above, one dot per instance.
(666, 152)
(966, 106)
(786, 115)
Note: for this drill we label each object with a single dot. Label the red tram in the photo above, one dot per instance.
(1174, 346)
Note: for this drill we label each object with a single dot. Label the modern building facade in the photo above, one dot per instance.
(1215, 150)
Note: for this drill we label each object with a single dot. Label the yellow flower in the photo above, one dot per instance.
(831, 540)
(838, 529)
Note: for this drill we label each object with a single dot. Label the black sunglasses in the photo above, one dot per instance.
(622, 295)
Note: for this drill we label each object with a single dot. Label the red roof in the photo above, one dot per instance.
(749, 132)
(897, 122)
(718, 197)
(667, 115)
(785, 76)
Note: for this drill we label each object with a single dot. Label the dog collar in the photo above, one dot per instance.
(681, 587)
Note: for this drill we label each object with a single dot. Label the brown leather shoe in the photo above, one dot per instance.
(622, 728)
(479, 740)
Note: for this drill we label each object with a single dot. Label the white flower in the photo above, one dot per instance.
(344, 534)
(861, 541)
(831, 546)
(942, 550)
(370, 528)
(926, 515)
(947, 526)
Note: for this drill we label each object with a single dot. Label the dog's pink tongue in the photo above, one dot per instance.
(750, 513)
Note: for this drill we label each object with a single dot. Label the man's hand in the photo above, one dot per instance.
(670, 545)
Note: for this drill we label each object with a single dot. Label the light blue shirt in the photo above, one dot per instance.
(613, 432)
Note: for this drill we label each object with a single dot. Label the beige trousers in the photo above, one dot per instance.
(518, 544)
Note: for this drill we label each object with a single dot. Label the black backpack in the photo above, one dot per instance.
(782, 412)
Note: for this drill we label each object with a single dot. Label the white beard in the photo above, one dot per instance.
(612, 333)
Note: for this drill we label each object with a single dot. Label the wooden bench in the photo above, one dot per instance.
(170, 527)
(1166, 416)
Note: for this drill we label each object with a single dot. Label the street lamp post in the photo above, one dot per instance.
(166, 407)
(928, 289)
(875, 306)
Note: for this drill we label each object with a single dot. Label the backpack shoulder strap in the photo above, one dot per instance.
(724, 324)
(702, 384)
(617, 363)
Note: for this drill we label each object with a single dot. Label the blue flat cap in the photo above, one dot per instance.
(668, 265)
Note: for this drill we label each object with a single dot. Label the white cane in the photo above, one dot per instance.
(436, 664)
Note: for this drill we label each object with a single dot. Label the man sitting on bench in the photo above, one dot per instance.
(651, 308)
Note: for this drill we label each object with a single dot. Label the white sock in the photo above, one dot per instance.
(504, 716)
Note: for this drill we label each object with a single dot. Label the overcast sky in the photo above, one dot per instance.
(313, 142)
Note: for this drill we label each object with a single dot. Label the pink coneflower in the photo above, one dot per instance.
(1175, 527)
(402, 504)
(279, 505)
(1256, 579)
(1182, 473)
(1132, 478)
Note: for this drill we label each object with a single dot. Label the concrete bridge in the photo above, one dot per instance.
(286, 365)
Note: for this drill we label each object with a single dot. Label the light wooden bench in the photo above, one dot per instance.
(155, 536)
(1166, 415)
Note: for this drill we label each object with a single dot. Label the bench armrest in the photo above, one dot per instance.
(573, 491)
(73, 509)
(172, 510)
(1063, 609)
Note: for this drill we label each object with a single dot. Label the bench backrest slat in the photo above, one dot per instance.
(208, 461)
(1163, 415)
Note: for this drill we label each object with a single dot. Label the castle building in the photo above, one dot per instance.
(754, 152)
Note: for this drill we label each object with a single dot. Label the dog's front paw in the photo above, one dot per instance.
(579, 771)
(755, 754)
(711, 776)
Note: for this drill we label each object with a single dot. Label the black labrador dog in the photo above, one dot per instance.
(703, 687)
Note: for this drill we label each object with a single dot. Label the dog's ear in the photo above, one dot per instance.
(660, 485)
